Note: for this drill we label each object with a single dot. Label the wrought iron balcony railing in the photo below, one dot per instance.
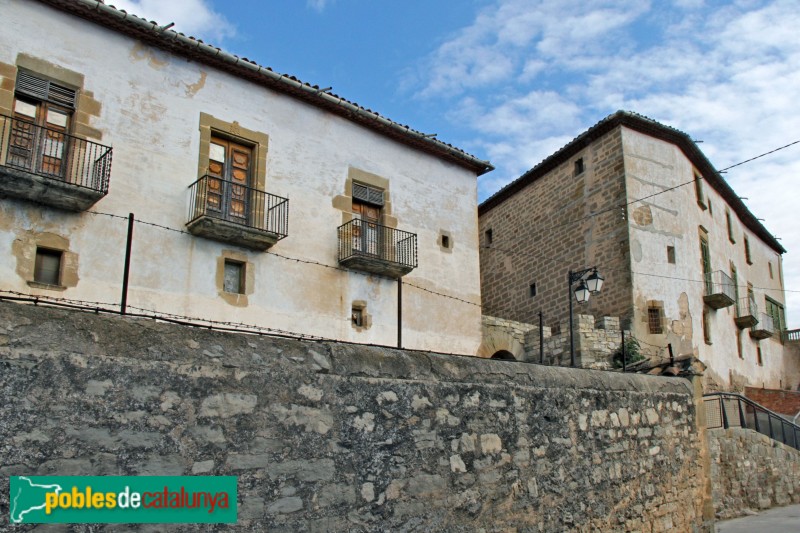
(765, 327)
(719, 290)
(50, 166)
(230, 212)
(746, 312)
(791, 335)
(375, 248)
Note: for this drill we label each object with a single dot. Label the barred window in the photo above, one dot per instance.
(654, 320)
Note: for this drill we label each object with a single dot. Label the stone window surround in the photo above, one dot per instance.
(86, 107)
(210, 125)
(344, 202)
(24, 249)
(366, 318)
(238, 300)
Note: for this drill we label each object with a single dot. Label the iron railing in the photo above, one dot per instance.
(217, 198)
(746, 307)
(718, 282)
(726, 410)
(791, 335)
(53, 154)
(365, 238)
(765, 327)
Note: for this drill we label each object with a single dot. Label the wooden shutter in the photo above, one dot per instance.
(367, 194)
(45, 90)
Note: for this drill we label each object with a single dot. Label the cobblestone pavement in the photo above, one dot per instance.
(778, 520)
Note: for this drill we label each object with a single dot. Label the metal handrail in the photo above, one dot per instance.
(727, 409)
(54, 154)
(218, 198)
(718, 282)
(369, 239)
(765, 323)
(746, 307)
(792, 335)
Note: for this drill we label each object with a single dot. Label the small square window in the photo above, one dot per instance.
(578, 170)
(671, 255)
(489, 236)
(532, 290)
(445, 241)
(654, 320)
(234, 277)
(357, 317)
(47, 268)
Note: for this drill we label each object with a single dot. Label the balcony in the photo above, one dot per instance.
(764, 329)
(377, 249)
(719, 290)
(236, 214)
(792, 335)
(746, 313)
(50, 167)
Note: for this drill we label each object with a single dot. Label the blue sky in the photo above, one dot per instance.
(511, 81)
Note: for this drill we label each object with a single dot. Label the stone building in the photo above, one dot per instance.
(688, 265)
(295, 209)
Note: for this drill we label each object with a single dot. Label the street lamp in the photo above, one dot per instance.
(589, 285)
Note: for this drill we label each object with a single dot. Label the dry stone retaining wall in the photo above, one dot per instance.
(337, 437)
(751, 472)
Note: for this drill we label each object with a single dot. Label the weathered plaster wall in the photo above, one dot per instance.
(750, 472)
(540, 233)
(335, 437)
(674, 219)
(149, 105)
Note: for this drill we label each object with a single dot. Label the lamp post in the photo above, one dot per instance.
(588, 285)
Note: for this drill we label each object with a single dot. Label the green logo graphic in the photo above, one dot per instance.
(122, 499)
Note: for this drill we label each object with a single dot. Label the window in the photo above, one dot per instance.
(730, 226)
(367, 214)
(747, 255)
(654, 320)
(233, 281)
(532, 290)
(759, 360)
(671, 255)
(735, 281)
(710, 210)
(47, 268)
(38, 137)
(706, 326)
(578, 170)
(770, 270)
(489, 236)
(698, 189)
(445, 241)
(775, 310)
(229, 180)
(705, 256)
(358, 317)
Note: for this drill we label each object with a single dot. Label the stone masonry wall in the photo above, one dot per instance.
(337, 437)
(541, 233)
(750, 471)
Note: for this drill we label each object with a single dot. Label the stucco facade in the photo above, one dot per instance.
(162, 111)
(648, 251)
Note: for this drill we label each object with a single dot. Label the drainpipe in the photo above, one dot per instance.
(400, 313)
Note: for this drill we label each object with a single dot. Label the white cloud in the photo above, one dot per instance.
(192, 17)
(318, 5)
(527, 77)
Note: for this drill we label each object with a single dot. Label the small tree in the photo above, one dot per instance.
(633, 353)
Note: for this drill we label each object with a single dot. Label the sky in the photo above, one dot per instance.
(512, 81)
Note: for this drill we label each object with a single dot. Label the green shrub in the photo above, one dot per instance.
(633, 353)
